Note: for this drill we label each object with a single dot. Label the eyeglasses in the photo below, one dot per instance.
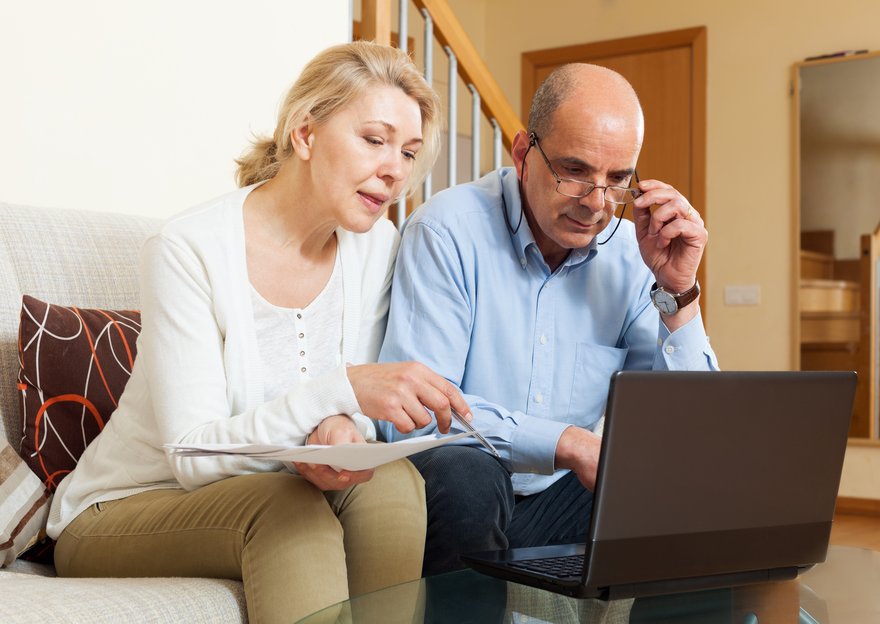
(617, 195)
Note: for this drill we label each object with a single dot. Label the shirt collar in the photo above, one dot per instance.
(524, 238)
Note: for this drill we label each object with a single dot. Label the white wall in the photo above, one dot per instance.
(141, 107)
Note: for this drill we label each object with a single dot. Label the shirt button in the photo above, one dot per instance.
(522, 262)
(299, 316)
(302, 353)
(539, 398)
(659, 343)
(543, 339)
(670, 350)
(302, 335)
(303, 369)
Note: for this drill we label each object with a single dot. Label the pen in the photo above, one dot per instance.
(469, 427)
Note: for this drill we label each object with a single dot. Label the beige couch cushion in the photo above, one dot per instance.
(28, 598)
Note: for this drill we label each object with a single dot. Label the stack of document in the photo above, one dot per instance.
(361, 456)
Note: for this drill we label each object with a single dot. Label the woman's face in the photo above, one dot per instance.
(362, 156)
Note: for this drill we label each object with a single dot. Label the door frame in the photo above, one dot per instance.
(694, 39)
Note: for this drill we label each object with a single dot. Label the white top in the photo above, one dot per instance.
(199, 347)
(296, 344)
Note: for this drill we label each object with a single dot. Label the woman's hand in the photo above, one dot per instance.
(399, 392)
(331, 431)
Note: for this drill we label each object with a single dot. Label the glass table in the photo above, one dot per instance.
(843, 590)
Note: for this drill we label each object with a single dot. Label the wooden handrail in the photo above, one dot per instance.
(376, 26)
(376, 21)
(472, 68)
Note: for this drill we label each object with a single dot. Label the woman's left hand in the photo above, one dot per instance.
(333, 430)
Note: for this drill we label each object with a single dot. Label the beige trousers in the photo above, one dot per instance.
(295, 548)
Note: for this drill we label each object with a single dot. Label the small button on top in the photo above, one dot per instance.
(539, 398)
(298, 315)
(543, 339)
(670, 350)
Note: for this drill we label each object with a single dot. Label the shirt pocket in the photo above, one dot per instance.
(593, 366)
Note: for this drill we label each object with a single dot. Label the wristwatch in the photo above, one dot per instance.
(669, 302)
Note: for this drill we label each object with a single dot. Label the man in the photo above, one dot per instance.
(526, 291)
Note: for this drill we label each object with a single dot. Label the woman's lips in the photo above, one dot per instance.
(373, 202)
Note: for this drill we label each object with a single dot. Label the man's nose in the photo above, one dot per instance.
(594, 200)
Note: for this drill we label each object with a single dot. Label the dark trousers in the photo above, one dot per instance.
(472, 508)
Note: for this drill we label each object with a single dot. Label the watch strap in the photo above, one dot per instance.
(683, 298)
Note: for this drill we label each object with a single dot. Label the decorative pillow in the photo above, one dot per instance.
(75, 363)
(24, 505)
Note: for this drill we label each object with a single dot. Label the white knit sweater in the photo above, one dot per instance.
(198, 376)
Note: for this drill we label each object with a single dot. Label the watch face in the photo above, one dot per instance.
(664, 302)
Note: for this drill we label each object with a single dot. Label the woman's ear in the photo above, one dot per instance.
(302, 138)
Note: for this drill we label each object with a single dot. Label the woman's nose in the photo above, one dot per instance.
(393, 167)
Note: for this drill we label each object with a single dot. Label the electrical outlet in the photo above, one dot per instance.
(745, 295)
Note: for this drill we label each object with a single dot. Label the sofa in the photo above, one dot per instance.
(90, 260)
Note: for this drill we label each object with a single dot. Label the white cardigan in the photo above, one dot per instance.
(198, 376)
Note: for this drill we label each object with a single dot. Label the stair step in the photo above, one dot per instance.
(829, 327)
(823, 295)
(816, 265)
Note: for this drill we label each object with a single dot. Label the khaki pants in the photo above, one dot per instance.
(295, 548)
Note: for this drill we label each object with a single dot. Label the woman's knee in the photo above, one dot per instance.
(401, 476)
(279, 501)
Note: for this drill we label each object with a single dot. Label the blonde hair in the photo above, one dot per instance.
(332, 80)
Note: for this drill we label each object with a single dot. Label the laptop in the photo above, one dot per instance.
(706, 480)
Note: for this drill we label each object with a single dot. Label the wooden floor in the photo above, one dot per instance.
(856, 530)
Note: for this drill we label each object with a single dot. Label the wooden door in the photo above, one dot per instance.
(668, 71)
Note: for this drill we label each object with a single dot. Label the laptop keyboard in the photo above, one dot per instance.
(559, 567)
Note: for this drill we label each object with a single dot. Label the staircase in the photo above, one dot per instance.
(831, 317)
(438, 24)
(829, 307)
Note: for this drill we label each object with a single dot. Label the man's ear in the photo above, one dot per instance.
(302, 138)
(519, 147)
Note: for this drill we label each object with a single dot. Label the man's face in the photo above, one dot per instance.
(601, 148)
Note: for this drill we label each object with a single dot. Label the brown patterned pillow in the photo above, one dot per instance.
(75, 363)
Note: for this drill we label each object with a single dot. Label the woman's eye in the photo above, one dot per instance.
(373, 140)
(409, 154)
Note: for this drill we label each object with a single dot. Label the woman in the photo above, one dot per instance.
(262, 311)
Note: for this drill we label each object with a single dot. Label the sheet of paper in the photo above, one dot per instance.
(343, 456)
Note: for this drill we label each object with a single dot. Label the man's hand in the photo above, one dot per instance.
(578, 451)
(331, 431)
(399, 392)
(672, 239)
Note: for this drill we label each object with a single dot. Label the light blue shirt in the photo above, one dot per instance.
(532, 349)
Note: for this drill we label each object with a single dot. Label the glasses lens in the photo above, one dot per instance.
(617, 195)
(573, 188)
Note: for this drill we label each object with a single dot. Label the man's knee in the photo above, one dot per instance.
(467, 482)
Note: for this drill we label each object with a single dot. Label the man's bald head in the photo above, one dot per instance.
(597, 91)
